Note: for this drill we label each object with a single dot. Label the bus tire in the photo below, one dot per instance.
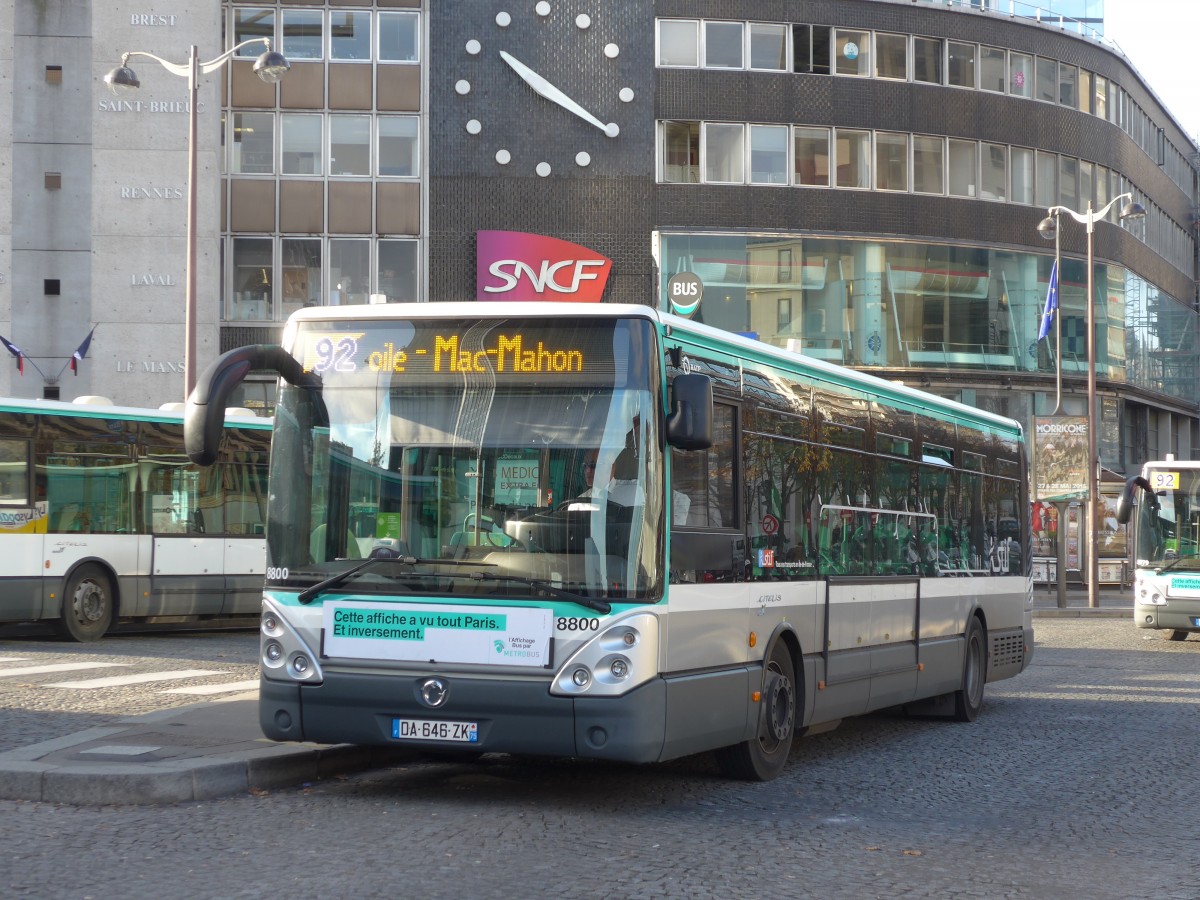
(87, 605)
(763, 757)
(1174, 634)
(968, 699)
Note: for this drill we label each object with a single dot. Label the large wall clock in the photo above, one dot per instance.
(524, 61)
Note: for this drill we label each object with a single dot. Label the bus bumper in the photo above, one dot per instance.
(1175, 615)
(512, 716)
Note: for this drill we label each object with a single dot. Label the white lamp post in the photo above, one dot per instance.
(1048, 228)
(270, 67)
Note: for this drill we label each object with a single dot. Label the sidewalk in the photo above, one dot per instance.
(215, 749)
(1114, 602)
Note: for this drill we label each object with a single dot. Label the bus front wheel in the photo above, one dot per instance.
(763, 757)
(968, 699)
(1174, 634)
(87, 605)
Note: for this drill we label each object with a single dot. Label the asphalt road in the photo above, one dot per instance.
(1073, 783)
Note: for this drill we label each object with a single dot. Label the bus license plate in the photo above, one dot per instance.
(1196, 621)
(433, 730)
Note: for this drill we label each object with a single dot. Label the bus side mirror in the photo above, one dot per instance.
(690, 424)
(1128, 500)
(204, 413)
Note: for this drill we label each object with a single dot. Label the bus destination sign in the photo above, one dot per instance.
(434, 351)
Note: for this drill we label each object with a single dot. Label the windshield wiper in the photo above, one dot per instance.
(1176, 561)
(600, 606)
(309, 594)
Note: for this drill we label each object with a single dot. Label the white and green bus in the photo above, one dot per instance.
(770, 543)
(103, 518)
(1163, 505)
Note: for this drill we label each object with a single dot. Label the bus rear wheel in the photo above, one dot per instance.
(968, 699)
(763, 757)
(87, 605)
(1174, 634)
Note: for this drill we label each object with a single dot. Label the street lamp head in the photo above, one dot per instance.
(1048, 227)
(122, 78)
(1133, 210)
(271, 66)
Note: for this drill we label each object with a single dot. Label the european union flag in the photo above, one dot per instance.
(1051, 303)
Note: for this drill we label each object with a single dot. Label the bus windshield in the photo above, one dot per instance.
(496, 456)
(1168, 522)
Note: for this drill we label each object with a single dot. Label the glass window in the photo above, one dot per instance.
(301, 273)
(252, 22)
(962, 168)
(1047, 80)
(723, 45)
(399, 143)
(349, 271)
(812, 155)
(724, 152)
(768, 154)
(398, 271)
(349, 35)
(891, 161)
(768, 47)
(891, 56)
(706, 478)
(1068, 182)
(1100, 88)
(1047, 179)
(300, 138)
(678, 42)
(14, 472)
(1021, 165)
(853, 158)
(810, 48)
(1086, 184)
(1085, 91)
(252, 270)
(350, 145)
(398, 37)
(303, 34)
(992, 69)
(927, 60)
(852, 52)
(253, 143)
(960, 71)
(1101, 187)
(1020, 74)
(993, 171)
(681, 152)
(929, 164)
(1068, 76)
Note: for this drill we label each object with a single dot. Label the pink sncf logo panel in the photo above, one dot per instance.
(514, 265)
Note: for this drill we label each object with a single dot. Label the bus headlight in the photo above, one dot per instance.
(284, 654)
(618, 659)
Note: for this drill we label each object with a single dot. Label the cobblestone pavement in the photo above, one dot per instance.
(34, 708)
(1056, 791)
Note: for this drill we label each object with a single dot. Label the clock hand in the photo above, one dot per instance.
(554, 95)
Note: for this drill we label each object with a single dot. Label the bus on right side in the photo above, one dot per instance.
(1163, 505)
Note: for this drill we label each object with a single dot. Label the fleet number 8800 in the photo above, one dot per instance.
(571, 623)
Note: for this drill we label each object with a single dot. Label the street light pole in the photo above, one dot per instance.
(1049, 227)
(270, 67)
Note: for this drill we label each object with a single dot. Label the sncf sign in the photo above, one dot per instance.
(513, 265)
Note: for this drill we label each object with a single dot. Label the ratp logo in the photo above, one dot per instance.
(499, 645)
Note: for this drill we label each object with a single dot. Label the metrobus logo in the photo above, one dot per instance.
(514, 265)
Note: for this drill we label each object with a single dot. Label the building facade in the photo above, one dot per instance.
(860, 180)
